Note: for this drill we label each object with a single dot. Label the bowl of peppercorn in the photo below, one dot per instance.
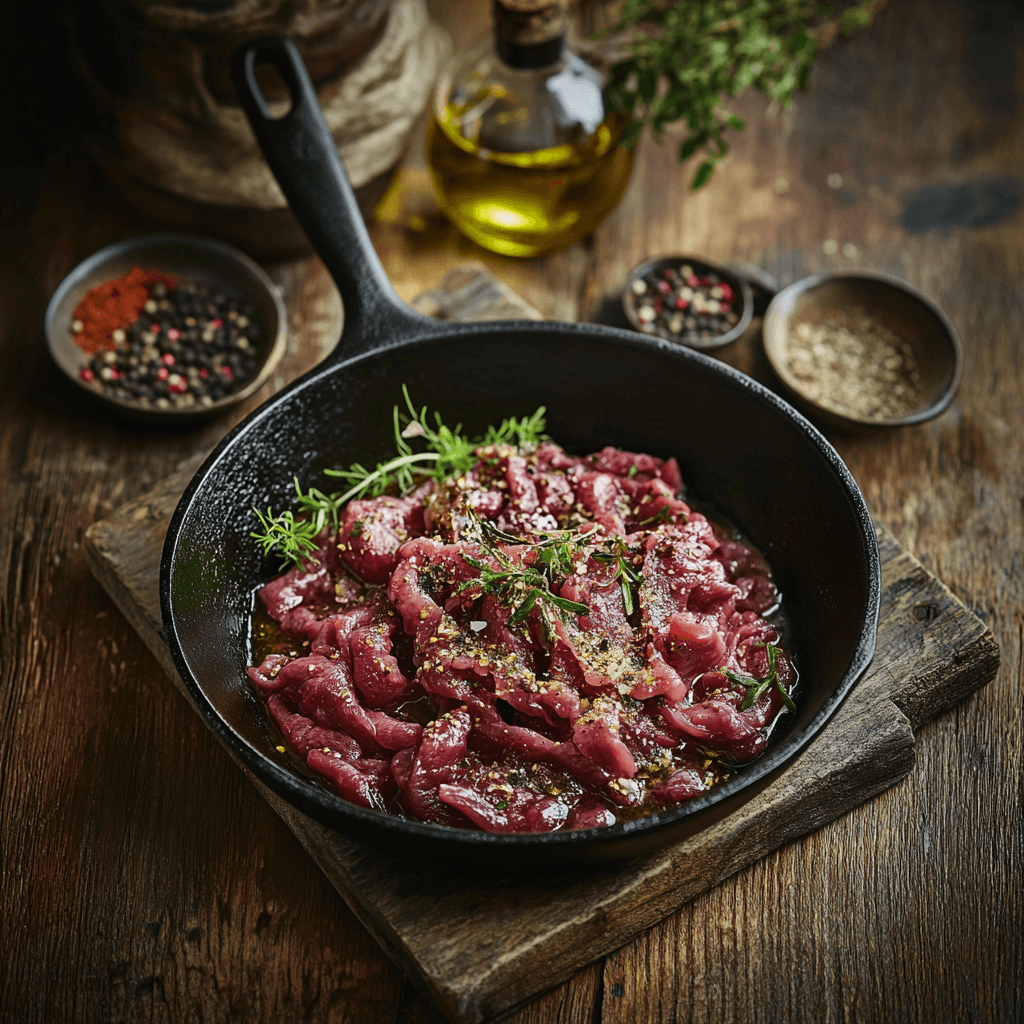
(167, 326)
(688, 301)
(862, 350)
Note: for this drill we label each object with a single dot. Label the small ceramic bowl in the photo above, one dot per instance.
(744, 308)
(197, 260)
(900, 311)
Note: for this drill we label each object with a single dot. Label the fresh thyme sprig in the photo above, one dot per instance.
(627, 576)
(448, 453)
(685, 58)
(522, 587)
(518, 587)
(756, 687)
(293, 538)
(557, 554)
(521, 433)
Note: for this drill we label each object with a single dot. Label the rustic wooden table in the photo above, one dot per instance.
(145, 879)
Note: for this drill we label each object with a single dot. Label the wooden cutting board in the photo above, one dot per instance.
(479, 946)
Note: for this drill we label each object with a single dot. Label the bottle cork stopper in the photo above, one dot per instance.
(529, 22)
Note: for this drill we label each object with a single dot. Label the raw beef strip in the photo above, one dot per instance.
(372, 532)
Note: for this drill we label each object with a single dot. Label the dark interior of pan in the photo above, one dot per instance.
(741, 449)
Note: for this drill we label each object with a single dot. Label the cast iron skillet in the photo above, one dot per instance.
(738, 444)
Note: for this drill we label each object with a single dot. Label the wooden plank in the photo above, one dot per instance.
(479, 946)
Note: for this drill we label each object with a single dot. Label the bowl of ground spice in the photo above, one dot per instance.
(862, 350)
(167, 326)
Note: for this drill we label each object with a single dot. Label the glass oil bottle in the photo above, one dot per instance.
(523, 153)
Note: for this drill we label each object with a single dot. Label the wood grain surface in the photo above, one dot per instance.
(478, 944)
(133, 891)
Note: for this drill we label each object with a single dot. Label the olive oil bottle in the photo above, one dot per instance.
(524, 156)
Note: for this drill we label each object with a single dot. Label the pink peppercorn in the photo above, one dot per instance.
(163, 373)
(217, 322)
(226, 371)
(204, 373)
(173, 334)
(167, 359)
(664, 287)
(681, 304)
(86, 374)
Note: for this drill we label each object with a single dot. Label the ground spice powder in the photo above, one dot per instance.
(113, 306)
(856, 366)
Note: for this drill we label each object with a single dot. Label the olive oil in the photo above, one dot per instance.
(523, 204)
(523, 153)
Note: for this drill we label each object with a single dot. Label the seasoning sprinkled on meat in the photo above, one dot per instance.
(535, 641)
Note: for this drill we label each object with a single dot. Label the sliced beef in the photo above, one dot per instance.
(717, 725)
(366, 782)
(375, 670)
(600, 495)
(372, 532)
(303, 735)
(435, 761)
(683, 784)
(551, 722)
(323, 690)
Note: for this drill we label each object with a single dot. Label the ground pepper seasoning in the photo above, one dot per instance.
(113, 306)
(183, 346)
(854, 365)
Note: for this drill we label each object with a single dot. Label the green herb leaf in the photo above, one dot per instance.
(294, 539)
(756, 687)
(687, 57)
(449, 453)
(703, 175)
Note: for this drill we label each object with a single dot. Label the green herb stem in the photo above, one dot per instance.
(688, 59)
(756, 687)
(382, 474)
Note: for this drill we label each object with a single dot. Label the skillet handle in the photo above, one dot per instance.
(304, 158)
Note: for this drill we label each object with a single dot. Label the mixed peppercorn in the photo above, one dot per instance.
(680, 304)
(164, 344)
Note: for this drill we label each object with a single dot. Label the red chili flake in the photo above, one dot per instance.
(113, 304)
(681, 303)
(167, 359)
(86, 374)
(163, 373)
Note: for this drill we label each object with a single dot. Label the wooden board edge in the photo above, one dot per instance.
(106, 575)
(973, 665)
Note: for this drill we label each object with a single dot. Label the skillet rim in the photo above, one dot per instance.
(322, 804)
